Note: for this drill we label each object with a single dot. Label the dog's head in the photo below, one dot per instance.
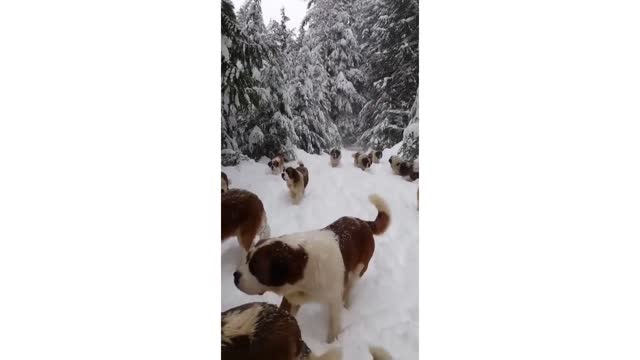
(290, 174)
(377, 154)
(225, 183)
(270, 265)
(395, 162)
(335, 153)
(276, 164)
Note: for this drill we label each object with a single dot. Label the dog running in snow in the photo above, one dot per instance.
(375, 156)
(297, 180)
(276, 164)
(225, 182)
(320, 266)
(335, 155)
(263, 331)
(243, 215)
(407, 169)
(361, 160)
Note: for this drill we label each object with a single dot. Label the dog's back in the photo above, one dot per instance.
(305, 173)
(243, 216)
(263, 331)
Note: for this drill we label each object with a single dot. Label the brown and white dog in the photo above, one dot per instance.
(243, 215)
(375, 156)
(406, 169)
(263, 331)
(225, 182)
(297, 180)
(361, 160)
(335, 156)
(276, 164)
(319, 266)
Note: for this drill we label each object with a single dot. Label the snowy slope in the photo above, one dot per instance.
(385, 301)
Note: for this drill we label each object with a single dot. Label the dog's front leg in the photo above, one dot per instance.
(290, 307)
(335, 320)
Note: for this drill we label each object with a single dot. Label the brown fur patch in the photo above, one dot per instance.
(293, 174)
(380, 224)
(305, 174)
(242, 213)
(276, 335)
(355, 239)
(276, 264)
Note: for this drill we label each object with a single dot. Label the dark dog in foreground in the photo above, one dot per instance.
(262, 331)
(257, 331)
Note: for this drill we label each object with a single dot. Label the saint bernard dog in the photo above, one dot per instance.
(243, 216)
(225, 182)
(260, 330)
(407, 169)
(276, 164)
(375, 156)
(320, 266)
(297, 180)
(335, 156)
(361, 160)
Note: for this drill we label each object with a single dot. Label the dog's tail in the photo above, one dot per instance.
(379, 353)
(381, 223)
(333, 354)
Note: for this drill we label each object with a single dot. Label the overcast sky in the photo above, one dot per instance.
(295, 10)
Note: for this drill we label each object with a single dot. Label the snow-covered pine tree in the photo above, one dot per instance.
(266, 126)
(238, 58)
(309, 88)
(410, 141)
(330, 26)
(388, 32)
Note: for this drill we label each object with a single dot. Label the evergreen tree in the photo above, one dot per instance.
(330, 30)
(267, 127)
(410, 142)
(239, 56)
(389, 34)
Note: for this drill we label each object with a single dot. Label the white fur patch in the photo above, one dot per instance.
(323, 278)
(240, 323)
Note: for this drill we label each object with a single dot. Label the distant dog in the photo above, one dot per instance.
(361, 160)
(261, 331)
(225, 182)
(406, 169)
(243, 215)
(335, 156)
(319, 266)
(297, 180)
(276, 164)
(375, 156)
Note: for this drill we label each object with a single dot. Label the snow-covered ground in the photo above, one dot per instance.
(385, 301)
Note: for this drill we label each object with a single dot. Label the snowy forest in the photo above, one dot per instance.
(348, 77)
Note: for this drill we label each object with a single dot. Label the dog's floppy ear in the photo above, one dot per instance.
(278, 271)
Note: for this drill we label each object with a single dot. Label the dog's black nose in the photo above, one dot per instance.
(236, 278)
